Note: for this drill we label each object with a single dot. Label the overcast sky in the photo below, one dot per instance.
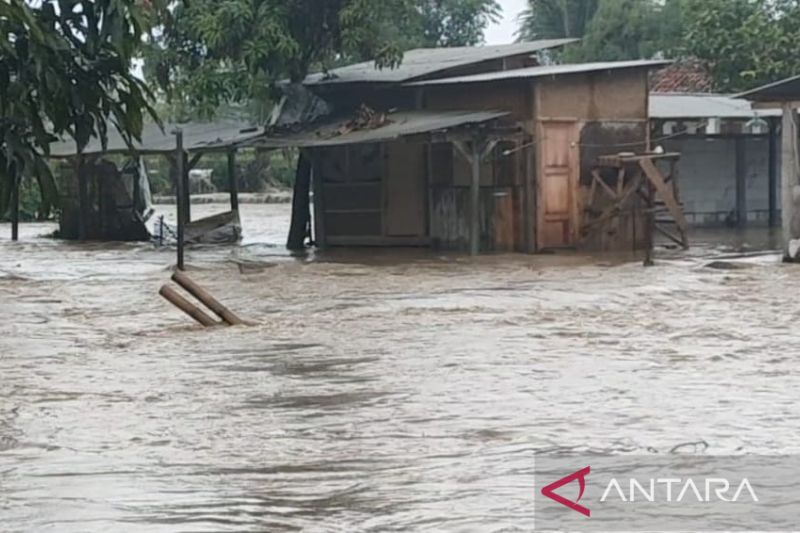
(503, 31)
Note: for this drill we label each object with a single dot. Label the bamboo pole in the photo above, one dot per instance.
(205, 297)
(172, 296)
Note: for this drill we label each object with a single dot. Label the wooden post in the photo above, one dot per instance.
(773, 173)
(301, 213)
(172, 296)
(233, 180)
(789, 166)
(529, 203)
(205, 297)
(187, 193)
(15, 180)
(83, 199)
(475, 200)
(179, 185)
(741, 182)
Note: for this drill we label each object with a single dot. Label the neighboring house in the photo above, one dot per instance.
(729, 157)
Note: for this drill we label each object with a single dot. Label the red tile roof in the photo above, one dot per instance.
(685, 76)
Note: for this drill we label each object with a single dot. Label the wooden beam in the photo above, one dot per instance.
(475, 200)
(664, 192)
(194, 160)
(233, 180)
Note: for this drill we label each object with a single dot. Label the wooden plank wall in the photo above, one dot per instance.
(498, 220)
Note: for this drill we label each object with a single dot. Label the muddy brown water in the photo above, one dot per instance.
(382, 390)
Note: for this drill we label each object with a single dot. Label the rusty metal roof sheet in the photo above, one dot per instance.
(699, 106)
(543, 71)
(426, 61)
(398, 125)
(196, 137)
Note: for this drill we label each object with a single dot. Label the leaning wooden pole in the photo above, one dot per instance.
(209, 301)
(172, 296)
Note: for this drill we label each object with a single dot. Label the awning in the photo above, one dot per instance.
(397, 125)
(196, 137)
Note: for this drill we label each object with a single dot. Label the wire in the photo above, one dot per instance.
(629, 144)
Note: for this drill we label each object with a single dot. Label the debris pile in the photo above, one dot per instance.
(365, 118)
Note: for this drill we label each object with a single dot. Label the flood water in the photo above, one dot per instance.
(381, 390)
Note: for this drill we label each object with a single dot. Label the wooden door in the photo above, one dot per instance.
(405, 211)
(558, 170)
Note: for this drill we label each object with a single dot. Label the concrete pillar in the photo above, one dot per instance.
(789, 171)
(772, 193)
(741, 182)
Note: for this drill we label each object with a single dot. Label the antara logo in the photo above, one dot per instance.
(580, 475)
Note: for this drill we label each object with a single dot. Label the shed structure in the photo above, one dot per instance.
(518, 171)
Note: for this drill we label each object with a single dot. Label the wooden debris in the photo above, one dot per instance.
(205, 297)
(172, 296)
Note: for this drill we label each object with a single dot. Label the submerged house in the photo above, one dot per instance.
(481, 149)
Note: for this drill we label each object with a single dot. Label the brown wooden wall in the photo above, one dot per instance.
(372, 194)
(610, 110)
(511, 95)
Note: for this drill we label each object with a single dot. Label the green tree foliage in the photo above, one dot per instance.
(746, 43)
(556, 19)
(610, 29)
(451, 22)
(65, 68)
(209, 53)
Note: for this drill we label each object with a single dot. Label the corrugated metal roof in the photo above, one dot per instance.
(426, 61)
(688, 106)
(196, 136)
(400, 125)
(544, 70)
(779, 91)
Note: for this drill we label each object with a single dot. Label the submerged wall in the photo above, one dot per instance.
(707, 179)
